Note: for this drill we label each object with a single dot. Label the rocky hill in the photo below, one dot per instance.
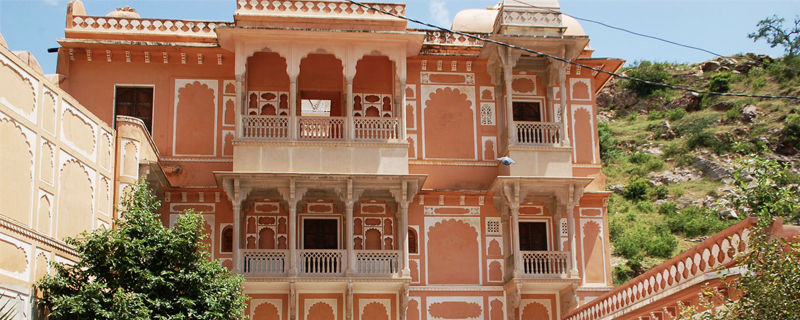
(671, 155)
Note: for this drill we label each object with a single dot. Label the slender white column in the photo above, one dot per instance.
(402, 238)
(351, 254)
(573, 252)
(293, 125)
(350, 101)
(293, 272)
(240, 105)
(511, 127)
(507, 246)
(562, 85)
(515, 233)
(401, 111)
(238, 231)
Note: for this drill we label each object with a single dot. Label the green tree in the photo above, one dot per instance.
(772, 30)
(143, 270)
(769, 284)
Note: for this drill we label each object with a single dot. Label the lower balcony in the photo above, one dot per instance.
(541, 264)
(259, 263)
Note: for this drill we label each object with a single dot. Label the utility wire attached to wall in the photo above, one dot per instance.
(568, 61)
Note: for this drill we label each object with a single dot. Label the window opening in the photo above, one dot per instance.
(320, 234)
(227, 240)
(135, 102)
(315, 108)
(527, 111)
(412, 241)
(533, 236)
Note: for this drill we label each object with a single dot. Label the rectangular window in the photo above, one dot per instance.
(527, 111)
(135, 102)
(315, 108)
(533, 236)
(320, 234)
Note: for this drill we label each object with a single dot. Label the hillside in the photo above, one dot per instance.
(670, 156)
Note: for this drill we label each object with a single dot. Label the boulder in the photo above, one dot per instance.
(722, 106)
(616, 188)
(666, 131)
(749, 113)
(728, 214)
(727, 62)
(710, 169)
(709, 66)
(688, 102)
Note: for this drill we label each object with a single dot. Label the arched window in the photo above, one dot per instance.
(412, 241)
(227, 240)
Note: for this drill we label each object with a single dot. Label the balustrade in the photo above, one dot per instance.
(322, 128)
(544, 262)
(538, 133)
(376, 262)
(376, 128)
(265, 127)
(259, 262)
(322, 262)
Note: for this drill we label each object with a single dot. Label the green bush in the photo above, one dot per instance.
(655, 164)
(733, 115)
(655, 115)
(659, 192)
(608, 144)
(791, 132)
(639, 158)
(720, 82)
(668, 209)
(645, 206)
(675, 114)
(636, 190)
(694, 221)
(646, 70)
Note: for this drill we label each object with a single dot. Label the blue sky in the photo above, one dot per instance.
(717, 25)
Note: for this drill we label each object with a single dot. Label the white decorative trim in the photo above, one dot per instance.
(189, 159)
(180, 84)
(583, 223)
(454, 163)
(493, 226)
(470, 300)
(458, 288)
(432, 210)
(27, 249)
(546, 303)
(255, 303)
(592, 129)
(573, 82)
(173, 205)
(469, 78)
(516, 93)
(487, 114)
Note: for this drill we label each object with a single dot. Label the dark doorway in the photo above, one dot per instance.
(320, 234)
(527, 111)
(135, 102)
(533, 236)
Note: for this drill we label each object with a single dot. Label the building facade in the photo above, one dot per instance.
(345, 165)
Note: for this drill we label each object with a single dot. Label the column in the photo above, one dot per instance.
(240, 106)
(238, 229)
(515, 239)
(351, 254)
(550, 104)
(293, 272)
(507, 246)
(401, 114)
(562, 79)
(350, 101)
(573, 252)
(294, 127)
(402, 238)
(512, 129)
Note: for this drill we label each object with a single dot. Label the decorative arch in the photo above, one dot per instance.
(266, 311)
(375, 311)
(227, 239)
(412, 241)
(16, 162)
(320, 311)
(453, 243)
(75, 211)
(449, 111)
(535, 311)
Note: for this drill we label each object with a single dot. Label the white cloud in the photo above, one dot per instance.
(440, 14)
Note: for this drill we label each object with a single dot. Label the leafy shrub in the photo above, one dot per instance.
(662, 246)
(655, 115)
(608, 144)
(645, 206)
(720, 82)
(659, 192)
(668, 209)
(646, 70)
(675, 114)
(791, 132)
(669, 150)
(636, 190)
(639, 158)
(655, 164)
(694, 221)
(733, 115)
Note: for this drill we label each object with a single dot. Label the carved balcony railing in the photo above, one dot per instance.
(322, 128)
(538, 133)
(316, 7)
(264, 263)
(376, 262)
(265, 127)
(544, 263)
(324, 263)
(376, 128)
(146, 26)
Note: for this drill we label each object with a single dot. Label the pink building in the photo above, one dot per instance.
(345, 164)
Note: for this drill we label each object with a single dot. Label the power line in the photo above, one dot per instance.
(651, 37)
(567, 61)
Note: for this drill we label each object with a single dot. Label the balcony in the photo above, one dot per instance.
(533, 133)
(259, 263)
(539, 144)
(540, 264)
(320, 128)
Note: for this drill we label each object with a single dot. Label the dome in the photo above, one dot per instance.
(475, 20)
(573, 26)
(126, 12)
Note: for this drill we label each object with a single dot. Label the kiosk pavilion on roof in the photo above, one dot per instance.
(345, 165)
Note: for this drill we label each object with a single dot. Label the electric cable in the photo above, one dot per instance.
(567, 61)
